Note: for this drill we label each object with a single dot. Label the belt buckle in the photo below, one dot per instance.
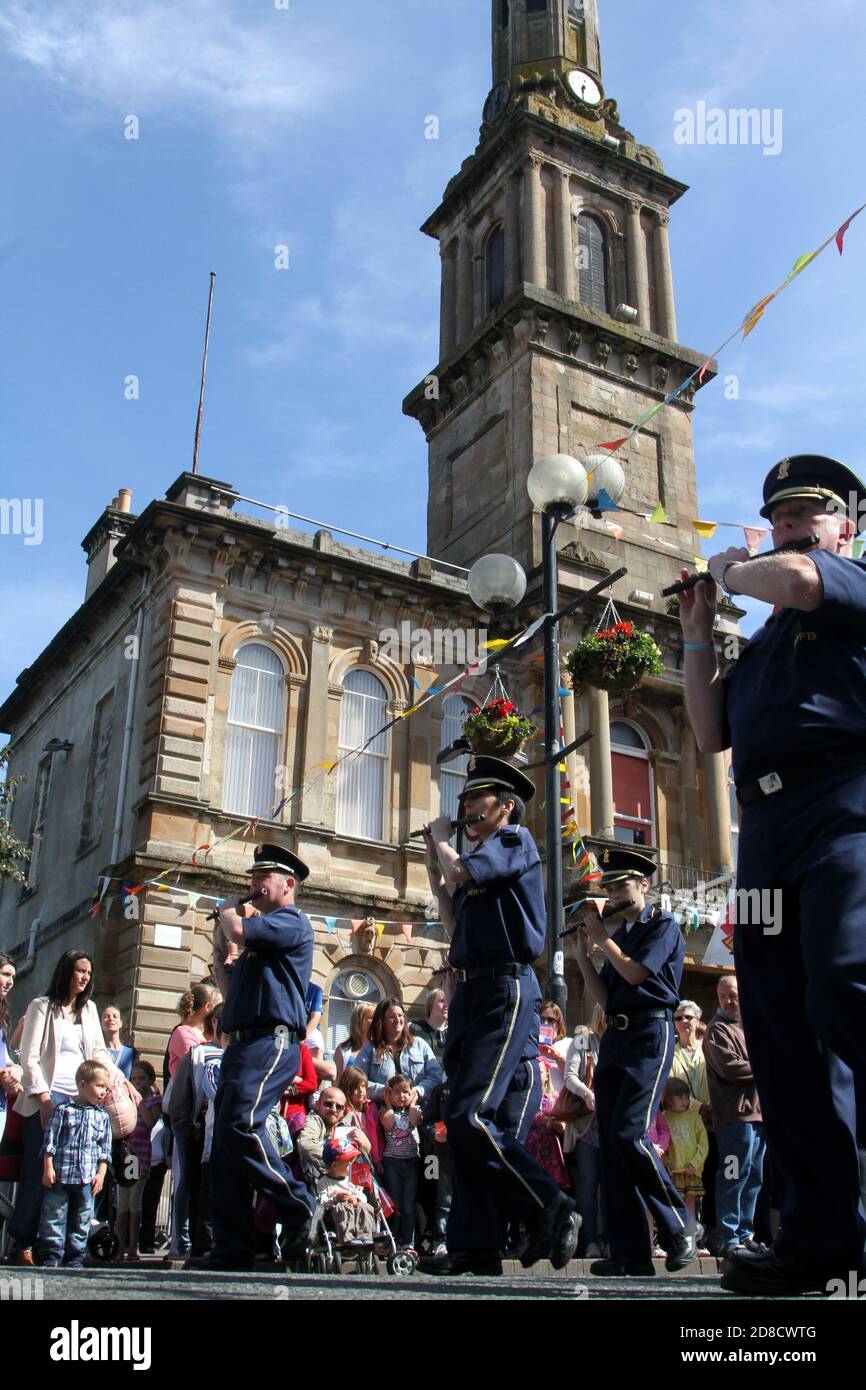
(616, 1022)
(772, 782)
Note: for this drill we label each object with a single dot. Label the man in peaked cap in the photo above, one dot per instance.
(638, 986)
(265, 1017)
(497, 916)
(793, 710)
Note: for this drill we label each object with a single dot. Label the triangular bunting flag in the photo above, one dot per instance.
(700, 564)
(605, 503)
(330, 923)
(659, 515)
(406, 929)
(614, 443)
(707, 529)
(357, 923)
(380, 927)
(754, 535)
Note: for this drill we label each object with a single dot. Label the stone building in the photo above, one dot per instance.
(221, 663)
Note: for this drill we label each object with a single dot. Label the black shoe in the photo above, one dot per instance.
(621, 1269)
(483, 1264)
(682, 1250)
(555, 1234)
(229, 1264)
(748, 1271)
(294, 1247)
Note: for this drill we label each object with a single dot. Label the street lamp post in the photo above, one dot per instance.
(557, 484)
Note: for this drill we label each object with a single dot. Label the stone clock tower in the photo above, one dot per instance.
(558, 332)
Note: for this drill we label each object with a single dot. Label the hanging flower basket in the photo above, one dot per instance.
(614, 659)
(497, 729)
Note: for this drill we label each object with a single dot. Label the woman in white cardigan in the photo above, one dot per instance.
(61, 1030)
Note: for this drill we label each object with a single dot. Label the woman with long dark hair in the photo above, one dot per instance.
(392, 1050)
(61, 1030)
(10, 1074)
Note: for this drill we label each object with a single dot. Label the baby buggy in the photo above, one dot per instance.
(325, 1251)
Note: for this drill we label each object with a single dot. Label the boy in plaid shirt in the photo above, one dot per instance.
(76, 1153)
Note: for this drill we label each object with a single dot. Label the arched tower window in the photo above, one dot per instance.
(254, 737)
(633, 821)
(503, 14)
(362, 781)
(495, 267)
(592, 262)
(536, 6)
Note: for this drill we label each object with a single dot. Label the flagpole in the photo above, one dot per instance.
(203, 373)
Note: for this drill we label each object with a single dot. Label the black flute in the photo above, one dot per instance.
(682, 585)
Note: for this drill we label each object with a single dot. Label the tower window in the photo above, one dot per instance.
(592, 263)
(503, 14)
(536, 6)
(495, 268)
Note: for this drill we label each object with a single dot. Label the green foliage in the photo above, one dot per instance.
(615, 658)
(13, 853)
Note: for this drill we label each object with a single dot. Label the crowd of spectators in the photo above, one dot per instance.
(370, 1118)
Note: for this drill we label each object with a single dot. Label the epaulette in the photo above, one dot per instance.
(510, 837)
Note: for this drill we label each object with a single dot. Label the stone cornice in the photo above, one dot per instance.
(537, 319)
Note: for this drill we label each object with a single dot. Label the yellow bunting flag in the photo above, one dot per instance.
(496, 643)
(380, 927)
(659, 515)
(707, 529)
(754, 316)
(700, 564)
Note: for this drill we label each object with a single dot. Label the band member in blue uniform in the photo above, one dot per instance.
(793, 710)
(638, 987)
(265, 1017)
(498, 919)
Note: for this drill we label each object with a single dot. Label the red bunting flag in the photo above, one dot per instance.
(614, 443)
(840, 235)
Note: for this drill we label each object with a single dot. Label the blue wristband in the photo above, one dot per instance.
(695, 646)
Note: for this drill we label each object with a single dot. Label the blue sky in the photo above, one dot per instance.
(306, 127)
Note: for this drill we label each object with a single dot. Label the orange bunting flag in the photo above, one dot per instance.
(702, 372)
(754, 316)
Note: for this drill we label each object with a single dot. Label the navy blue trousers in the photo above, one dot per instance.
(633, 1066)
(803, 1004)
(253, 1076)
(491, 1086)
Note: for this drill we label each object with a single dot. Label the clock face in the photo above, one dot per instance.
(584, 87)
(496, 102)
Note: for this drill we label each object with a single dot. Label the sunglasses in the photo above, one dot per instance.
(684, 1018)
(331, 1105)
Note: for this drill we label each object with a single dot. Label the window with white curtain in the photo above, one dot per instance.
(362, 781)
(256, 725)
(452, 775)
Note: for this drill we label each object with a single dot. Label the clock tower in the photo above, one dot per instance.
(558, 321)
(558, 332)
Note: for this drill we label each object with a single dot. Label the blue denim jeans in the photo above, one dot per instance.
(741, 1154)
(24, 1225)
(401, 1183)
(585, 1163)
(65, 1223)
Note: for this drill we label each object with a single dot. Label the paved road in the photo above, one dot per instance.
(157, 1284)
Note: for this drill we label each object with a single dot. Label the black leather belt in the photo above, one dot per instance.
(491, 972)
(789, 774)
(251, 1034)
(623, 1021)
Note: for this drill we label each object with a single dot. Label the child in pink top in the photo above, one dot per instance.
(364, 1113)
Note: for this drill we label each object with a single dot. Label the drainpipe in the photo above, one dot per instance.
(26, 965)
(127, 731)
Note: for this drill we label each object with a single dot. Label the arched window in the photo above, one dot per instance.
(495, 268)
(452, 775)
(256, 724)
(362, 780)
(592, 263)
(632, 786)
(351, 988)
(536, 6)
(503, 14)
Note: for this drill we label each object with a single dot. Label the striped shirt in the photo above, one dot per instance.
(78, 1139)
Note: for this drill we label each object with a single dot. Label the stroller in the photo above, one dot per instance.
(324, 1253)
